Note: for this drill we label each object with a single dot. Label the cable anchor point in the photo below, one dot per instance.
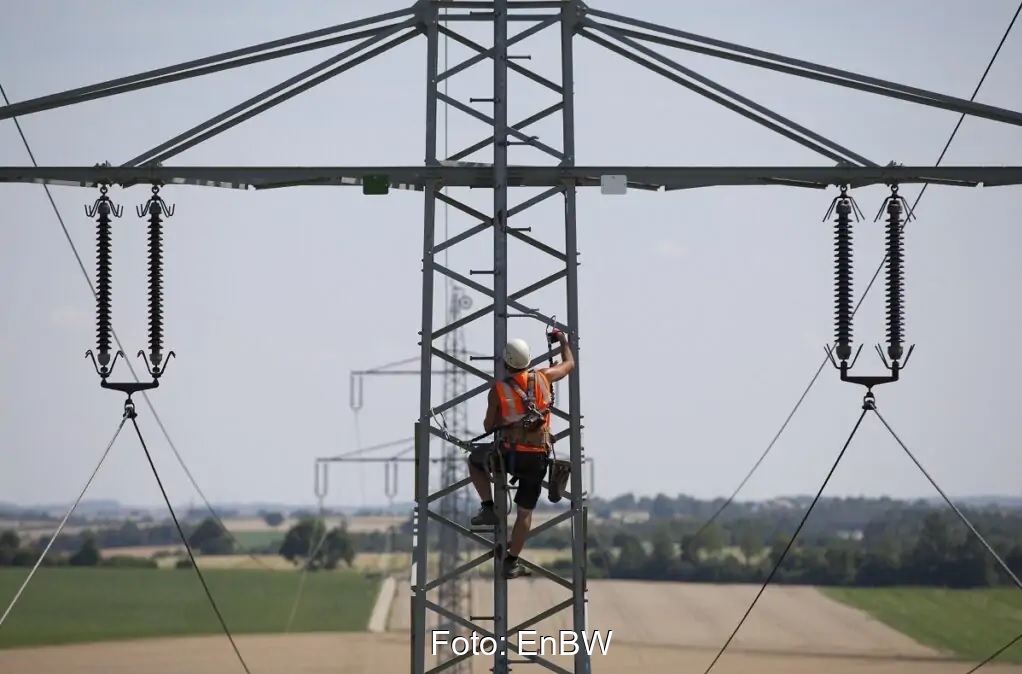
(103, 370)
(856, 211)
(155, 370)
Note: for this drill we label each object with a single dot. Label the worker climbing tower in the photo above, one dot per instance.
(501, 222)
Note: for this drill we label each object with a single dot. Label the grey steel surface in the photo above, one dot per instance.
(418, 177)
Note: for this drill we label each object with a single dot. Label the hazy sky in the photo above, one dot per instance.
(703, 313)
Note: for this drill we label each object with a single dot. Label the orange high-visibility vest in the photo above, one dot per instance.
(513, 408)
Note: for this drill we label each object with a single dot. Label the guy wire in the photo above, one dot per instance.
(791, 541)
(188, 547)
(63, 522)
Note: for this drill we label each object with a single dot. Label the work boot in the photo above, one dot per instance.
(486, 517)
(513, 568)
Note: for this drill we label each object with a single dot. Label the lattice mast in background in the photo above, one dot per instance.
(455, 596)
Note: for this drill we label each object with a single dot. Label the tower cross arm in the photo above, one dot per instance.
(418, 177)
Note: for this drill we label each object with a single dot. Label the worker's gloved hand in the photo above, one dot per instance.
(557, 336)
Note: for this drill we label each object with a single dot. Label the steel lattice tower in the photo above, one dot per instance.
(505, 303)
(558, 179)
(456, 595)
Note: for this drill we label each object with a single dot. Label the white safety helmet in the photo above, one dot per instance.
(517, 354)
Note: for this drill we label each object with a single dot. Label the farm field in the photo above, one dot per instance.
(145, 551)
(400, 562)
(395, 562)
(249, 530)
(376, 653)
(970, 623)
(258, 539)
(787, 620)
(240, 526)
(798, 631)
(932, 625)
(66, 605)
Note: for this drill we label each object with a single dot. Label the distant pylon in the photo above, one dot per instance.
(456, 594)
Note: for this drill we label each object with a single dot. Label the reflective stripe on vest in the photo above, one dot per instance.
(512, 407)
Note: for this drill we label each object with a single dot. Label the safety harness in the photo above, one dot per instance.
(531, 430)
(533, 420)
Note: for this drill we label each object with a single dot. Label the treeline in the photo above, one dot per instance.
(830, 514)
(846, 541)
(903, 547)
(308, 543)
(147, 533)
(128, 534)
(14, 551)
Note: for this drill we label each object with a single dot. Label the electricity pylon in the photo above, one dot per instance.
(456, 595)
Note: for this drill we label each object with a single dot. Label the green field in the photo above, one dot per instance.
(259, 539)
(65, 605)
(971, 624)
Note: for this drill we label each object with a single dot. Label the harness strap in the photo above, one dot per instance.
(529, 399)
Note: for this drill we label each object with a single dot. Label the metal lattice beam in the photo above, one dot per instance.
(706, 87)
(805, 69)
(419, 177)
(623, 35)
(237, 58)
(500, 222)
(322, 72)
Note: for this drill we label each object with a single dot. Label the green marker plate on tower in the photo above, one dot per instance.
(376, 185)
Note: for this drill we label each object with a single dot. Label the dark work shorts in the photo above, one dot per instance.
(528, 467)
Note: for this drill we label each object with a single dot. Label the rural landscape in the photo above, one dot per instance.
(870, 584)
(432, 188)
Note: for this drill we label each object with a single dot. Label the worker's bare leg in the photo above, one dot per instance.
(523, 523)
(487, 515)
(481, 481)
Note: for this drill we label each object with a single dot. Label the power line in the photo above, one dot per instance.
(63, 523)
(971, 527)
(791, 541)
(130, 414)
(951, 504)
(869, 405)
(812, 382)
(993, 656)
